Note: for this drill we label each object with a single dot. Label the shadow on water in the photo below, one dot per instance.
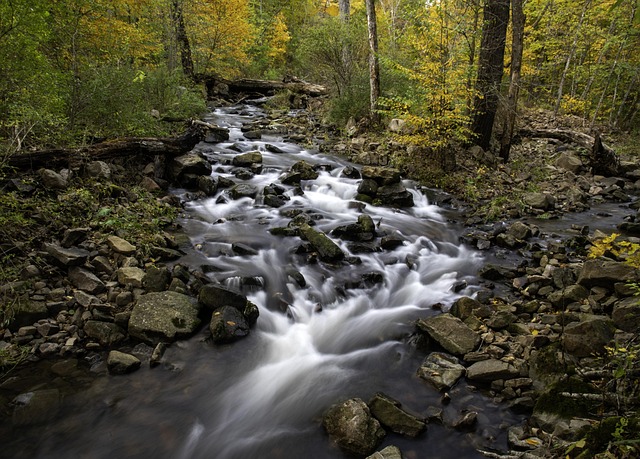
(335, 337)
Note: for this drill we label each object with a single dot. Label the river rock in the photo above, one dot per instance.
(74, 236)
(395, 195)
(520, 231)
(571, 294)
(604, 273)
(626, 315)
(98, 169)
(106, 333)
(215, 296)
(390, 414)
(381, 175)
(301, 170)
(589, 336)
(189, 164)
(441, 370)
(353, 428)
(326, 248)
(490, 370)
(569, 163)
(156, 279)
(119, 245)
(451, 333)
(86, 281)
(37, 407)
(541, 201)
(163, 316)
(247, 159)
(216, 134)
(130, 276)
(53, 180)
(207, 184)
(227, 325)
(465, 307)
(67, 256)
(120, 363)
(243, 190)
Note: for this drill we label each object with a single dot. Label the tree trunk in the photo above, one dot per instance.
(344, 6)
(517, 45)
(572, 52)
(182, 38)
(491, 62)
(374, 67)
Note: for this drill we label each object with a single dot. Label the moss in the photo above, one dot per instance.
(551, 402)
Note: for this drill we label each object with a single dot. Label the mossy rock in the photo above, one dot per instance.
(552, 402)
(602, 436)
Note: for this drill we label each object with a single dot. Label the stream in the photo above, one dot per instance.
(344, 332)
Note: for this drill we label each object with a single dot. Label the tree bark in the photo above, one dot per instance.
(344, 6)
(517, 45)
(491, 62)
(118, 148)
(182, 39)
(374, 66)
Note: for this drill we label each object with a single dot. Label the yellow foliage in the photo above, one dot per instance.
(220, 34)
(629, 251)
(278, 38)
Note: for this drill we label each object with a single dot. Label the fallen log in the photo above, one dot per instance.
(111, 149)
(261, 87)
(602, 159)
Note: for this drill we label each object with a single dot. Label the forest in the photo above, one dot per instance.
(74, 71)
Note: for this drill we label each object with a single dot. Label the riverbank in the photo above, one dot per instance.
(89, 261)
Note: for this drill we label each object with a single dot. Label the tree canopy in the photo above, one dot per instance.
(73, 70)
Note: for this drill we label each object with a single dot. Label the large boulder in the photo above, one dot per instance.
(164, 316)
(626, 315)
(605, 273)
(390, 413)
(451, 333)
(189, 164)
(589, 336)
(351, 425)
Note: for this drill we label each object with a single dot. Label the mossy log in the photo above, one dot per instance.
(111, 149)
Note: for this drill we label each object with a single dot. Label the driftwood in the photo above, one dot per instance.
(112, 149)
(602, 158)
(261, 87)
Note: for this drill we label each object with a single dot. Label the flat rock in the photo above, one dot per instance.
(130, 276)
(441, 370)
(390, 414)
(119, 245)
(451, 333)
(490, 370)
(163, 316)
(106, 333)
(605, 273)
(71, 256)
(86, 281)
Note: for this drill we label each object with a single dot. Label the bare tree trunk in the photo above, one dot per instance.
(182, 38)
(344, 7)
(517, 45)
(491, 62)
(374, 66)
(572, 52)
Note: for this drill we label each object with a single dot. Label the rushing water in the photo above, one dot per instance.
(314, 345)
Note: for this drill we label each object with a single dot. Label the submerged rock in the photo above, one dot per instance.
(390, 413)
(326, 248)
